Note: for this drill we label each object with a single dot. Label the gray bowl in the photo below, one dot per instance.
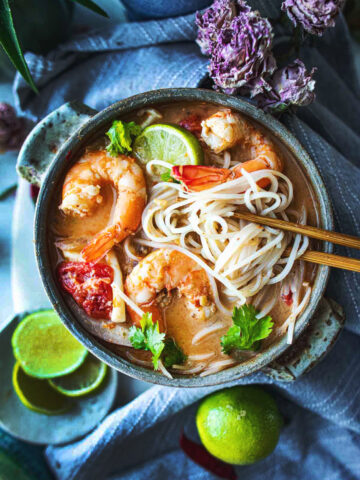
(41, 148)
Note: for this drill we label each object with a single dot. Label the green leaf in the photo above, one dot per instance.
(10, 43)
(92, 6)
(137, 338)
(247, 330)
(166, 176)
(148, 337)
(121, 136)
(172, 354)
(4, 194)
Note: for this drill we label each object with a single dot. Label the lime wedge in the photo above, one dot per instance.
(44, 347)
(37, 394)
(83, 380)
(169, 143)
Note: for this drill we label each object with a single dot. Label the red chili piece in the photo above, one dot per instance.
(202, 457)
(34, 192)
(192, 123)
(89, 283)
(288, 299)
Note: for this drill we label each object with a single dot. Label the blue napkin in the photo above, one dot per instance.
(321, 437)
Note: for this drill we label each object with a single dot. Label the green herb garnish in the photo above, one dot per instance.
(172, 354)
(148, 337)
(247, 330)
(166, 177)
(121, 136)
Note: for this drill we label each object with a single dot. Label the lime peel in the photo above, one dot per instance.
(83, 380)
(239, 425)
(36, 394)
(44, 347)
(169, 143)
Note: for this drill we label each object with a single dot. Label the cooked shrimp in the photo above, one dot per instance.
(170, 269)
(222, 130)
(81, 195)
(228, 129)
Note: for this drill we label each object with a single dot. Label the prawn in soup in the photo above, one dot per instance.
(147, 248)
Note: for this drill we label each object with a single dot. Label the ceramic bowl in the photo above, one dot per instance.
(58, 140)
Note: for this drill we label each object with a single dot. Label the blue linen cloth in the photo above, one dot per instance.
(321, 436)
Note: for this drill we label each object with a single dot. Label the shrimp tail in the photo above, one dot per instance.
(198, 177)
(102, 243)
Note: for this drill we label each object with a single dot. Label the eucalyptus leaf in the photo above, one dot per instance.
(92, 6)
(10, 43)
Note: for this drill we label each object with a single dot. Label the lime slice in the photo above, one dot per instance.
(44, 347)
(83, 380)
(37, 394)
(169, 143)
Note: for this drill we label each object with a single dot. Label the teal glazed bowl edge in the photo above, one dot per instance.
(67, 154)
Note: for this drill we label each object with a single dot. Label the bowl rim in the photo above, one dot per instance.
(98, 123)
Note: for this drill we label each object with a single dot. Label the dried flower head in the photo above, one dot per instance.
(315, 16)
(216, 17)
(242, 58)
(12, 128)
(292, 85)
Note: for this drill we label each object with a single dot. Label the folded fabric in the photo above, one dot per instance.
(321, 438)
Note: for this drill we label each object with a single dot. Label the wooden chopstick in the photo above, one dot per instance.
(322, 258)
(313, 256)
(313, 232)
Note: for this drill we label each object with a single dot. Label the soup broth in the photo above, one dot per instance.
(198, 338)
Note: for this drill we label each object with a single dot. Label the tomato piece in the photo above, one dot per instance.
(89, 283)
(288, 299)
(192, 123)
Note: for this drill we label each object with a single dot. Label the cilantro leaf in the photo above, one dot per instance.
(172, 354)
(121, 135)
(166, 177)
(247, 330)
(148, 337)
(137, 338)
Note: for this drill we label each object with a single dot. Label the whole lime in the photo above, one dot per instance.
(239, 425)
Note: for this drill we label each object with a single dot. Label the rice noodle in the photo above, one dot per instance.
(128, 251)
(143, 363)
(201, 356)
(183, 370)
(242, 256)
(164, 371)
(217, 366)
(131, 304)
(206, 331)
(152, 115)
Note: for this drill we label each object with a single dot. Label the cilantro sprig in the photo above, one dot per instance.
(172, 354)
(148, 337)
(247, 330)
(121, 136)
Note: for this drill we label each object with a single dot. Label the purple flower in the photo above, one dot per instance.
(12, 131)
(242, 57)
(291, 85)
(315, 16)
(216, 17)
